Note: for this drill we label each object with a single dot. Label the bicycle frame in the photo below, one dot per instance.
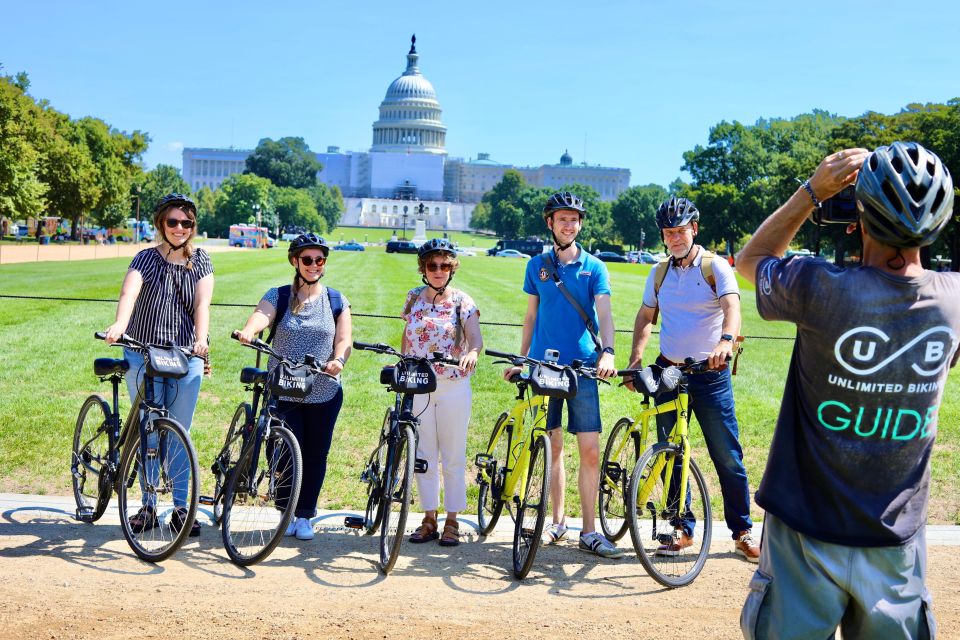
(518, 456)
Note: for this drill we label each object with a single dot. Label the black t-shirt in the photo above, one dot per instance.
(850, 458)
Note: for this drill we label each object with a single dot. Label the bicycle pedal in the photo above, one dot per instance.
(354, 522)
(483, 461)
(420, 466)
(84, 514)
(207, 500)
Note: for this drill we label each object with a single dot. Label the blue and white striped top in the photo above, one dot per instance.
(164, 309)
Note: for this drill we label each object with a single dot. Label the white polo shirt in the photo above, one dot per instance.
(691, 320)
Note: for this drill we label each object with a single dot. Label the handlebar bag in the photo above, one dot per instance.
(291, 382)
(410, 376)
(166, 362)
(553, 383)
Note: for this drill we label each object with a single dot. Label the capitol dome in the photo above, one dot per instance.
(410, 114)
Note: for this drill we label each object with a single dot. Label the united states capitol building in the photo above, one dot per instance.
(408, 165)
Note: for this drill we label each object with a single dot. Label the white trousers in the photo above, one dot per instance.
(444, 418)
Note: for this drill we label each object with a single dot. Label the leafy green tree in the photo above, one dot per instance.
(329, 204)
(287, 162)
(480, 218)
(21, 190)
(506, 215)
(634, 211)
(156, 183)
(67, 169)
(115, 155)
(206, 201)
(296, 208)
(236, 200)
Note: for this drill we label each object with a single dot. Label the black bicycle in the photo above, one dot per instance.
(259, 469)
(150, 461)
(389, 471)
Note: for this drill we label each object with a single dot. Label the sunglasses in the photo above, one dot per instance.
(445, 267)
(186, 223)
(307, 261)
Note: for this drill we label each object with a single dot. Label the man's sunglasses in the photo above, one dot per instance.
(445, 267)
(186, 223)
(307, 261)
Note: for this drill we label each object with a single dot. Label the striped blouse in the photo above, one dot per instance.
(164, 309)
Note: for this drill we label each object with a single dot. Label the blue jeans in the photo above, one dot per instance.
(711, 401)
(180, 399)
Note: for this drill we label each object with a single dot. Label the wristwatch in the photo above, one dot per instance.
(342, 362)
(609, 350)
(727, 337)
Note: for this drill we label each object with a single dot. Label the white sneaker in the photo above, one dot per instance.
(304, 529)
(292, 527)
(594, 542)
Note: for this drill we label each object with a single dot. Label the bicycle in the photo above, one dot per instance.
(642, 492)
(260, 467)
(151, 450)
(515, 468)
(389, 471)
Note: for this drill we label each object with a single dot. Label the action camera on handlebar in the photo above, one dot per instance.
(840, 209)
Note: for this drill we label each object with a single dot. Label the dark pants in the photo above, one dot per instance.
(711, 401)
(312, 424)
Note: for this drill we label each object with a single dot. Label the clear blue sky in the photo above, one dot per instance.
(637, 83)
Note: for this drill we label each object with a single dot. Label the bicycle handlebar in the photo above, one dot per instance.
(309, 361)
(127, 341)
(519, 361)
(435, 358)
(690, 366)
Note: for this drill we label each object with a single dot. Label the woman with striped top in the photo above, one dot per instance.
(165, 298)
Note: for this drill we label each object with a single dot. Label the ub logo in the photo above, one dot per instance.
(866, 350)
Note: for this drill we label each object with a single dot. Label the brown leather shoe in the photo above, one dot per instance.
(747, 547)
(426, 532)
(451, 534)
(680, 542)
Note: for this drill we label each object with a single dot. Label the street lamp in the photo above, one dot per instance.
(137, 228)
(405, 222)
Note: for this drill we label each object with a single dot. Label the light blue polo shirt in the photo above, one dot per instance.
(558, 325)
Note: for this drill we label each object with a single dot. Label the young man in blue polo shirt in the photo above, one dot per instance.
(552, 322)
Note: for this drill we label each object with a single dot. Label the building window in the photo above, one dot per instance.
(373, 209)
(436, 210)
(394, 208)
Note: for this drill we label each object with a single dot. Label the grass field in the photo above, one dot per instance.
(48, 349)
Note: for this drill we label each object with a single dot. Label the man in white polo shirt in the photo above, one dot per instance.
(699, 300)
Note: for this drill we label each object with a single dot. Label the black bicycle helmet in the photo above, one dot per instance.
(563, 200)
(435, 245)
(174, 200)
(905, 195)
(307, 241)
(676, 212)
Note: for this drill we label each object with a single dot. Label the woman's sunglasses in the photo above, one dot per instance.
(186, 223)
(445, 267)
(307, 261)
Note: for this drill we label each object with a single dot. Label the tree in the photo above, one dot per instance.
(480, 218)
(206, 201)
(286, 162)
(21, 190)
(115, 155)
(235, 202)
(506, 215)
(329, 204)
(296, 208)
(634, 214)
(68, 170)
(156, 183)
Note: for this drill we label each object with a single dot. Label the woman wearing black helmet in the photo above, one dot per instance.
(165, 297)
(308, 318)
(441, 318)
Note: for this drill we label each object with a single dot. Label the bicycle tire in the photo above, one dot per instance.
(373, 475)
(532, 512)
(158, 543)
(614, 478)
(255, 521)
(489, 500)
(398, 478)
(90, 458)
(229, 455)
(652, 533)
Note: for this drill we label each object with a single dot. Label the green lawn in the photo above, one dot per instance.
(48, 349)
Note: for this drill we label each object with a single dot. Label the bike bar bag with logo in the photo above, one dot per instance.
(553, 383)
(409, 376)
(291, 382)
(166, 362)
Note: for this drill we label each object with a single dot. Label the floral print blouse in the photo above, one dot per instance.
(432, 327)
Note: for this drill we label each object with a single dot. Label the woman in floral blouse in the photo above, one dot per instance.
(441, 318)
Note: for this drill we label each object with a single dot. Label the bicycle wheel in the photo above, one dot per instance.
(373, 476)
(491, 477)
(396, 501)
(655, 516)
(619, 456)
(90, 459)
(160, 484)
(260, 500)
(229, 455)
(533, 509)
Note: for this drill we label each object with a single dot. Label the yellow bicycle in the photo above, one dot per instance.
(642, 492)
(514, 470)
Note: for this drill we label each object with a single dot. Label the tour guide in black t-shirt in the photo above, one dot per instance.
(848, 475)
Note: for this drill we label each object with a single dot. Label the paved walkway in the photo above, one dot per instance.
(937, 534)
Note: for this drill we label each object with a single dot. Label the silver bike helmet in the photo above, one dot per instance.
(905, 195)
(676, 212)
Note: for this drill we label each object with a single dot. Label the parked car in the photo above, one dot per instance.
(647, 258)
(511, 253)
(610, 256)
(401, 246)
(348, 246)
(464, 252)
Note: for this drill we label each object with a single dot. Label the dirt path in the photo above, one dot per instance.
(61, 579)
